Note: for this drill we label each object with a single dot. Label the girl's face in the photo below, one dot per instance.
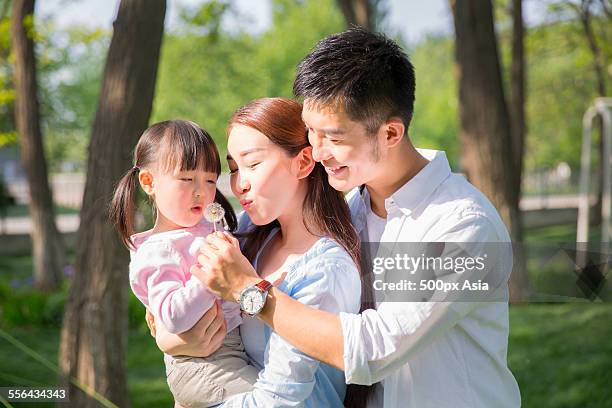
(262, 175)
(181, 196)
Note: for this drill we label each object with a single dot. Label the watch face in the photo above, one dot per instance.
(252, 300)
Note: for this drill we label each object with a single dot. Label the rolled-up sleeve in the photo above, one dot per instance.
(377, 342)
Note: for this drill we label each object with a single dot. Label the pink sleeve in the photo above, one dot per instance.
(159, 280)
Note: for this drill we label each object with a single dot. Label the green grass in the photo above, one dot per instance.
(146, 377)
(559, 234)
(561, 356)
(15, 267)
(147, 380)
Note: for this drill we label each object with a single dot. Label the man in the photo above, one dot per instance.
(358, 90)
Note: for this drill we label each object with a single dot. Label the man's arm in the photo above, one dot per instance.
(295, 322)
(203, 339)
(326, 342)
(366, 346)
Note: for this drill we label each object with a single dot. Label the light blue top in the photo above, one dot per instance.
(325, 277)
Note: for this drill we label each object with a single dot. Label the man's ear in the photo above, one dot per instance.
(305, 162)
(145, 178)
(394, 131)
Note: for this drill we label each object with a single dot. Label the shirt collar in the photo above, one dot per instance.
(412, 194)
(357, 208)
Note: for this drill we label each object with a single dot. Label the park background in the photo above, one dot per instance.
(68, 126)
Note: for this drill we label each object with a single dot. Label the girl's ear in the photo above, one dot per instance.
(305, 162)
(145, 178)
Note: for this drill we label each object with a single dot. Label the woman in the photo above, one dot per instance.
(294, 221)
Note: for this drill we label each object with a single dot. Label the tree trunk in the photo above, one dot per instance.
(519, 281)
(357, 13)
(48, 250)
(606, 6)
(598, 57)
(517, 91)
(487, 149)
(94, 335)
(584, 13)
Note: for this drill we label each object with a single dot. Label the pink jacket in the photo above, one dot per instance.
(160, 278)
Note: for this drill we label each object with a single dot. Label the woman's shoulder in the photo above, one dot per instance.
(327, 250)
(326, 260)
(325, 276)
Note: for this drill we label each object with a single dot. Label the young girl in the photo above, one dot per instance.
(177, 165)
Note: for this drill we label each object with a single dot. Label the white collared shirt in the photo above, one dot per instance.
(434, 354)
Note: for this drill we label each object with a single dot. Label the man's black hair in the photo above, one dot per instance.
(366, 74)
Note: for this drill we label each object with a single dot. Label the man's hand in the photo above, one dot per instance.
(203, 339)
(150, 322)
(223, 268)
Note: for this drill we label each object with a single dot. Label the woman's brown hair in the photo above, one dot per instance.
(173, 144)
(325, 210)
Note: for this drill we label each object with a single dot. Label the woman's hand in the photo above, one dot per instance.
(223, 268)
(203, 339)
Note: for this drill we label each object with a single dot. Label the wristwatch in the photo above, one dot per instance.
(252, 299)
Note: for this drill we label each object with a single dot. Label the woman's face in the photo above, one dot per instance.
(262, 175)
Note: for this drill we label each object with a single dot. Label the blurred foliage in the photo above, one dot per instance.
(561, 85)
(435, 122)
(7, 93)
(206, 74)
(212, 63)
(21, 304)
(69, 90)
(30, 307)
(69, 67)
(561, 81)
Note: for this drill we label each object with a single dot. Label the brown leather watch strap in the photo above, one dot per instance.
(264, 285)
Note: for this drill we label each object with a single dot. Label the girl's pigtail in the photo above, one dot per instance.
(122, 209)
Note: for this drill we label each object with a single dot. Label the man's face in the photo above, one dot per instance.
(343, 146)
